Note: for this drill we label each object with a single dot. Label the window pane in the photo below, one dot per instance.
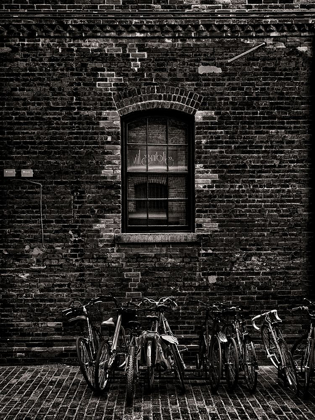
(137, 131)
(157, 187)
(137, 187)
(157, 158)
(177, 187)
(137, 158)
(136, 216)
(177, 132)
(157, 212)
(177, 159)
(157, 130)
(177, 213)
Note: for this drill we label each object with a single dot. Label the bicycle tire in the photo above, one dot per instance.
(299, 354)
(309, 367)
(289, 367)
(231, 363)
(201, 356)
(250, 365)
(215, 363)
(86, 362)
(150, 365)
(103, 372)
(131, 366)
(270, 346)
(178, 365)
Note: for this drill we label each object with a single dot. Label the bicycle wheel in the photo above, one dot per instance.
(250, 365)
(102, 369)
(131, 375)
(289, 367)
(298, 354)
(215, 363)
(270, 346)
(201, 355)
(178, 364)
(150, 365)
(231, 364)
(86, 362)
(309, 366)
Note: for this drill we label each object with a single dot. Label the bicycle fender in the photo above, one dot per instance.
(222, 337)
(169, 339)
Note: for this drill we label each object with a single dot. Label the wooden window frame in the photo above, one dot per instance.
(189, 174)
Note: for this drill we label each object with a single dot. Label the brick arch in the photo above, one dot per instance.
(157, 97)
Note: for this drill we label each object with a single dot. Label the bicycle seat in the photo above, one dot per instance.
(108, 323)
(77, 318)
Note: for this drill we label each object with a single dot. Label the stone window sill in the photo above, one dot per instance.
(155, 237)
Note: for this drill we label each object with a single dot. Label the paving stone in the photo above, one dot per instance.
(56, 392)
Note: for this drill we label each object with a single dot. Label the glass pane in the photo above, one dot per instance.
(177, 187)
(177, 159)
(157, 158)
(137, 187)
(157, 130)
(177, 213)
(157, 212)
(177, 132)
(137, 131)
(137, 158)
(157, 187)
(137, 216)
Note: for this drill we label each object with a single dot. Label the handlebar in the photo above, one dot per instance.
(300, 308)
(121, 306)
(304, 308)
(273, 312)
(163, 301)
(77, 305)
(220, 307)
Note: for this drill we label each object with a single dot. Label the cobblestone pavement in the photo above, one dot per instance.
(59, 392)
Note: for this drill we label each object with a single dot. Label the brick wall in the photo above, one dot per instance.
(67, 81)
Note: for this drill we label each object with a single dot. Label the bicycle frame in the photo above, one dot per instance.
(86, 346)
(119, 330)
(160, 344)
(209, 332)
(217, 352)
(271, 321)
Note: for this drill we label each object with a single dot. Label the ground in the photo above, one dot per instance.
(60, 392)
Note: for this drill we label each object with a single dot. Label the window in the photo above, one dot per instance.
(158, 172)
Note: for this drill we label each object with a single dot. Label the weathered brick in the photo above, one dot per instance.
(66, 87)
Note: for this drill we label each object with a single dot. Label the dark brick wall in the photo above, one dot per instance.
(66, 82)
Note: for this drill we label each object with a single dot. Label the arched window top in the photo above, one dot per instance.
(157, 171)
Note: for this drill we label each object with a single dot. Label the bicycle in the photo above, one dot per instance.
(113, 350)
(303, 350)
(160, 346)
(216, 350)
(246, 350)
(86, 347)
(277, 348)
